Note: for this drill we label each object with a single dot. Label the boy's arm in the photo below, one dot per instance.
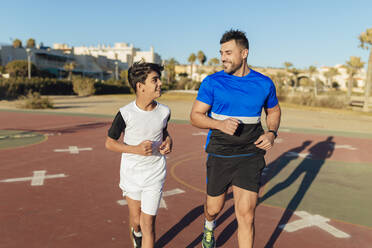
(144, 148)
(114, 133)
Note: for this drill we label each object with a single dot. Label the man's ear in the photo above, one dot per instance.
(245, 53)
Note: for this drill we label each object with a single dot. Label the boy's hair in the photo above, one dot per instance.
(237, 35)
(138, 72)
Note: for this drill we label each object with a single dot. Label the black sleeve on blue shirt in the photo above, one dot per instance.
(117, 127)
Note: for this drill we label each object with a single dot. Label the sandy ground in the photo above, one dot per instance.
(292, 117)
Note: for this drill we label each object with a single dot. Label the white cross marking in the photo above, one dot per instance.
(73, 149)
(309, 220)
(200, 133)
(162, 201)
(301, 155)
(349, 147)
(36, 180)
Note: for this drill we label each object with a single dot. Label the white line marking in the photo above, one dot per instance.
(200, 134)
(309, 220)
(73, 149)
(36, 180)
(162, 201)
(301, 155)
(348, 147)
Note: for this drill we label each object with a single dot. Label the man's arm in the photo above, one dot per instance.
(198, 118)
(266, 140)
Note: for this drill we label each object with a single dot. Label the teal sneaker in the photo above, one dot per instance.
(208, 239)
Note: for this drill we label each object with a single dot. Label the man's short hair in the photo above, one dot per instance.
(138, 72)
(237, 35)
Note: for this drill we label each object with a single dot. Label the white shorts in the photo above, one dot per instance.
(150, 200)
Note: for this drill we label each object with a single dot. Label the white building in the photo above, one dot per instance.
(120, 51)
(343, 77)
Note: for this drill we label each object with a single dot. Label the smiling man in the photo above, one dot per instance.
(229, 103)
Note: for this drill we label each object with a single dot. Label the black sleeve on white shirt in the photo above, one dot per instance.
(165, 131)
(117, 127)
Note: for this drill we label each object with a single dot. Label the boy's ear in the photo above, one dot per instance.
(138, 86)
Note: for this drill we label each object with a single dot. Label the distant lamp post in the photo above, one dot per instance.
(28, 50)
(116, 70)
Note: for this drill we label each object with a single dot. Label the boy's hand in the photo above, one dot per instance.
(166, 146)
(145, 148)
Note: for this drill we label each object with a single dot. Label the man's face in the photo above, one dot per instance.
(151, 86)
(232, 56)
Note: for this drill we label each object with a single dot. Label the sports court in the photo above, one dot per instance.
(59, 187)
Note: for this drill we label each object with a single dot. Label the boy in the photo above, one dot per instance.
(146, 141)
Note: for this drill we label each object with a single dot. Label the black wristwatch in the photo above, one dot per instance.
(274, 132)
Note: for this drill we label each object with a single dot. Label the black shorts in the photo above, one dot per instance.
(243, 172)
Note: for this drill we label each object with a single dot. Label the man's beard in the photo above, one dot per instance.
(232, 68)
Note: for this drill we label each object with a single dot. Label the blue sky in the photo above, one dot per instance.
(301, 32)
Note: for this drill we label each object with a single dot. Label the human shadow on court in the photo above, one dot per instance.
(273, 169)
(229, 230)
(310, 166)
(190, 217)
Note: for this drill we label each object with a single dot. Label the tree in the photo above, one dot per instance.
(30, 43)
(330, 74)
(352, 67)
(365, 39)
(124, 76)
(17, 43)
(191, 60)
(170, 71)
(70, 67)
(201, 57)
(19, 68)
(312, 70)
(287, 66)
(214, 62)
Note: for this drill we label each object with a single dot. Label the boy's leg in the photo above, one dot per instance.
(134, 220)
(148, 230)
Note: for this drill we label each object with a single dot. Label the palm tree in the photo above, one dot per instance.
(287, 66)
(30, 43)
(17, 43)
(214, 62)
(201, 57)
(352, 67)
(191, 59)
(365, 39)
(330, 74)
(169, 68)
(312, 70)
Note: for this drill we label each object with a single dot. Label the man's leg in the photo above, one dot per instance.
(147, 223)
(245, 205)
(134, 218)
(212, 208)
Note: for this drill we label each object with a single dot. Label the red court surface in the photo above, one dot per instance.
(75, 200)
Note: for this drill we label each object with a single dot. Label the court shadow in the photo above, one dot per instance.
(66, 129)
(190, 217)
(310, 168)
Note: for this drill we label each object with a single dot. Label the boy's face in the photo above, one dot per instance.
(152, 86)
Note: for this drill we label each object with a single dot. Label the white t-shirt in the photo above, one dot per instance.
(139, 172)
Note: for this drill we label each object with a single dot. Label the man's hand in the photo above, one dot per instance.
(265, 141)
(166, 146)
(145, 148)
(228, 126)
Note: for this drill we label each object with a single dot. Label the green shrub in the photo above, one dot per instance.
(111, 87)
(83, 86)
(35, 101)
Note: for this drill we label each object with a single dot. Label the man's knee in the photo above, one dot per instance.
(245, 213)
(213, 209)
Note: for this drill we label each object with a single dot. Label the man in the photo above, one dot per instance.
(229, 103)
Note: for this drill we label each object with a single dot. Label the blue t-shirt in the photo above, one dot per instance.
(239, 97)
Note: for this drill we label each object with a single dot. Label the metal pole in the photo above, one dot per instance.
(28, 50)
(116, 71)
